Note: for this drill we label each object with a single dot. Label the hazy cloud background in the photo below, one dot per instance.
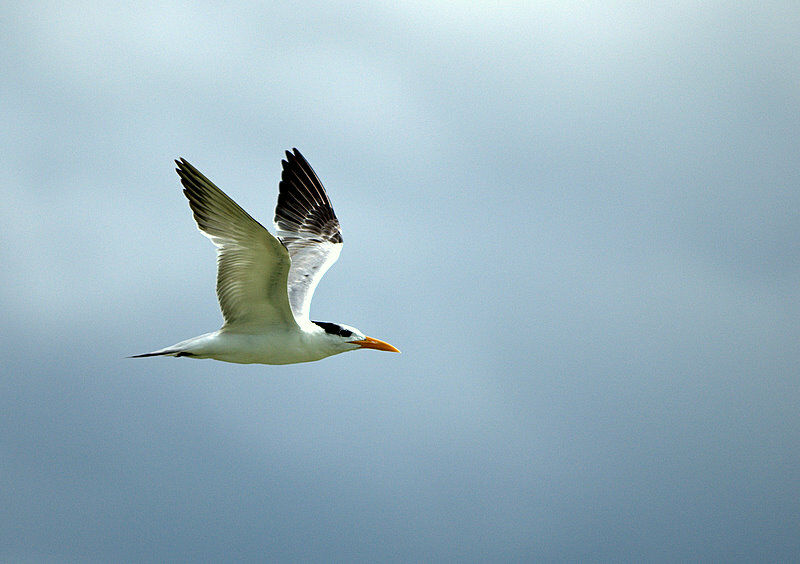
(580, 224)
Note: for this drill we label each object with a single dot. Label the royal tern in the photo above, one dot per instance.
(264, 283)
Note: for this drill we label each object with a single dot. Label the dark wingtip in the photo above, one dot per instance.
(303, 205)
(294, 154)
(184, 165)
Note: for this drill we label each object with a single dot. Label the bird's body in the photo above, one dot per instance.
(265, 284)
(277, 346)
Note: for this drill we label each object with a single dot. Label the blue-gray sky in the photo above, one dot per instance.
(580, 224)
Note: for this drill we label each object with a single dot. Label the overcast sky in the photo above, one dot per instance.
(581, 225)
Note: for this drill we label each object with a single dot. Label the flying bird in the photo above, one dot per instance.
(265, 283)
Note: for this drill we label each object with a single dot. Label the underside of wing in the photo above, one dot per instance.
(308, 227)
(252, 266)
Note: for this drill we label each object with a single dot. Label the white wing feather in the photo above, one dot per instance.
(252, 265)
(308, 227)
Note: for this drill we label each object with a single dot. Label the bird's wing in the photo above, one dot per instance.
(252, 265)
(307, 226)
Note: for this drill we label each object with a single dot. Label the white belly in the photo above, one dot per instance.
(278, 347)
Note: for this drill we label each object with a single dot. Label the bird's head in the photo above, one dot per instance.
(350, 338)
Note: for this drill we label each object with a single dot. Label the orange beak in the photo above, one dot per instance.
(370, 343)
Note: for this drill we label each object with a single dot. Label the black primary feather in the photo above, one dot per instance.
(303, 206)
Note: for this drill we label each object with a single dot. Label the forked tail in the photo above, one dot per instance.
(190, 347)
(163, 352)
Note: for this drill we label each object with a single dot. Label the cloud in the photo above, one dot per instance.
(579, 225)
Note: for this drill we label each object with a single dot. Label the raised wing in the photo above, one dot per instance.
(307, 226)
(252, 266)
